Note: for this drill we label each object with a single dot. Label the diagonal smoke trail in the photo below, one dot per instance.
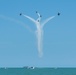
(39, 31)
(16, 21)
(47, 20)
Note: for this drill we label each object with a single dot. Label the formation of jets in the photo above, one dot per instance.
(41, 15)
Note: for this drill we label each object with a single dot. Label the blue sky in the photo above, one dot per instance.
(18, 44)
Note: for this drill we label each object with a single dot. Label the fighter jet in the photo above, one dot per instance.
(58, 14)
(38, 14)
(20, 14)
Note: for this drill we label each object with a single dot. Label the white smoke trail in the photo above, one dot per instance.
(47, 20)
(16, 21)
(39, 32)
(39, 35)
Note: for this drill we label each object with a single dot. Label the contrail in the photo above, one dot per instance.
(39, 26)
(39, 31)
(16, 21)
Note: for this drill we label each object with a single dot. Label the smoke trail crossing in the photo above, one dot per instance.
(39, 31)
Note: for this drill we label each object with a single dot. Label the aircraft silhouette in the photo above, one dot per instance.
(39, 14)
(20, 14)
(58, 14)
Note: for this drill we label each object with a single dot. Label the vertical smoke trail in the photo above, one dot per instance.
(39, 32)
(40, 41)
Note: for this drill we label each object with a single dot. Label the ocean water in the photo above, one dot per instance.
(38, 71)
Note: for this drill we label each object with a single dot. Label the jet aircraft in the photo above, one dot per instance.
(58, 14)
(38, 14)
(20, 14)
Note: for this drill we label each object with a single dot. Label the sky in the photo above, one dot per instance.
(18, 43)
